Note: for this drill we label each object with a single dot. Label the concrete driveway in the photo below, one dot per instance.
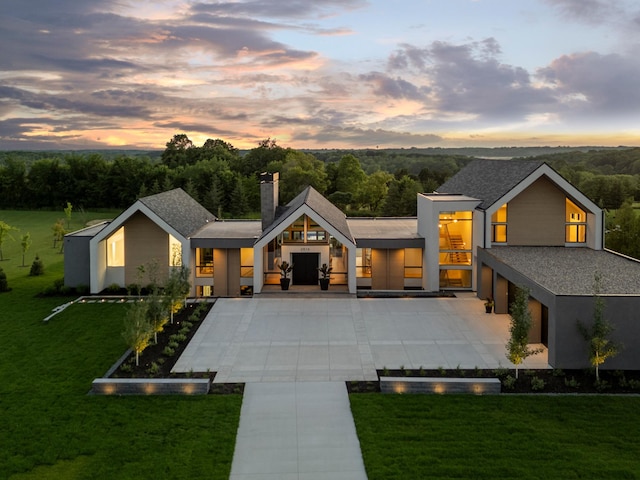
(275, 339)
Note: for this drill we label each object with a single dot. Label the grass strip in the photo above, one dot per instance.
(489, 437)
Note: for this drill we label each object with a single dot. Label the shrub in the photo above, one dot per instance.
(173, 344)
(573, 383)
(558, 372)
(183, 331)
(133, 289)
(126, 367)
(537, 383)
(37, 267)
(634, 384)
(4, 285)
(153, 369)
(509, 382)
(83, 289)
(114, 288)
(168, 351)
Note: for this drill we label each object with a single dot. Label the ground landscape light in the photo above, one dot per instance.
(399, 387)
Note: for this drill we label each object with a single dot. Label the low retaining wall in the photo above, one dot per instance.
(150, 386)
(477, 386)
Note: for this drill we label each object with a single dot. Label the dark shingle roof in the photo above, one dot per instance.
(316, 202)
(179, 210)
(571, 271)
(489, 180)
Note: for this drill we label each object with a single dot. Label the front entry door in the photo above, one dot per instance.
(305, 268)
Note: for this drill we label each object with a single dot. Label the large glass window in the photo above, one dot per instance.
(115, 249)
(412, 263)
(363, 262)
(246, 262)
(499, 225)
(456, 254)
(204, 262)
(304, 230)
(175, 252)
(576, 223)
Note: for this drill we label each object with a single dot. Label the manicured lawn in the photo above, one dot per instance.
(49, 426)
(523, 437)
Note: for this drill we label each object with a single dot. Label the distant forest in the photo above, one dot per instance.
(366, 182)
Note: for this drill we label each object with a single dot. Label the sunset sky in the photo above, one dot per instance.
(319, 74)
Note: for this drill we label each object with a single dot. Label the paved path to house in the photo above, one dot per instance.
(265, 339)
(294, 354)
(297, 431)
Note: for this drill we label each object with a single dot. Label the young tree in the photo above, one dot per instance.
(25, 243)
(137, 329)
(177, 289)
(5, 228)
(67, 213)
(58, 232)
(156, 313)
(518, 345)
(598, 336)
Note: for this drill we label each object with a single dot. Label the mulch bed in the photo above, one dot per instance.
(156, 363)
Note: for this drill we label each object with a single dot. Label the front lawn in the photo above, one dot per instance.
(489, 437)
(50, 427)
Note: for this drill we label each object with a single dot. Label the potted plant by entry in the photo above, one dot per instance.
(325, 270)
(285, 270)
(488, 305)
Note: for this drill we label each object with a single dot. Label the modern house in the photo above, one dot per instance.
(493, 226)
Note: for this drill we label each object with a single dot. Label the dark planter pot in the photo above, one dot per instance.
(488, 308)
(324, 284)
(284, 283)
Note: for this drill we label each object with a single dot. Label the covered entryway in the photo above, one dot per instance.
(305, 268)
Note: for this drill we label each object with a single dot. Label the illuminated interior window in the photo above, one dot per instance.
(412, 263)
(204, 262)
(175, 252)
(455, 238)
(499, 225)
(246, 262)
(363, 262)
(304, 230)
(576, 223)
(115, 249)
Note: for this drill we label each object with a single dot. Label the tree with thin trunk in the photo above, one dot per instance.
(177, 289)
(156, 313)
(137, 331)
(5, 228)
(67, 212)
(58, 232)
(598, 336)
(25, 243)
(518, 346)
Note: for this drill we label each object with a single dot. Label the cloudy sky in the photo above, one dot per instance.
(319, 73)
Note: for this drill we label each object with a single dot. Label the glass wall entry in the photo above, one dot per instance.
(455, 232)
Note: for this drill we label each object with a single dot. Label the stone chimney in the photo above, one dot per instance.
(268, 197)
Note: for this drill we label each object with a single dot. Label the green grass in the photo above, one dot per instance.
(49, 426)
(523, 437)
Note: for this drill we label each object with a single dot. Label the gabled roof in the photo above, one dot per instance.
(320, 205)
(179, 210)
(489, 180)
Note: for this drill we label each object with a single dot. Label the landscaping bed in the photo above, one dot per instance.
(158, 359)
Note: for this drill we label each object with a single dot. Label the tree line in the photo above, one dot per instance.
(216, 174)
(225, 180)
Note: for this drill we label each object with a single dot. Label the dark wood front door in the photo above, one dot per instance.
(305, 268)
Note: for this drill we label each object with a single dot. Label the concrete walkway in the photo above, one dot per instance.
(341, 339)
(297, 431)
(294, 355)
